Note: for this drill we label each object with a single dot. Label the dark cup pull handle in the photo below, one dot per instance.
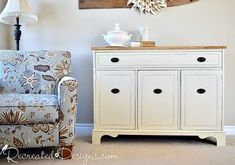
(157, 91)
(115, 60)
(201, 59)
(115, 91)
(201, 91)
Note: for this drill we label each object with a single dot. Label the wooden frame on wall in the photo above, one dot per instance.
(105, 4)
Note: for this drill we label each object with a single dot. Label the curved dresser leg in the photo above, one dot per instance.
(220, 138)
(96, 137)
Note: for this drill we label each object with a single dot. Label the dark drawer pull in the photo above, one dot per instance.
(157, 91)
(201, 59)
(115, 91)
(115, 59)
(201, 91)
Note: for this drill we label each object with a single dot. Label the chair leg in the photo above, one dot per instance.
(66, 152)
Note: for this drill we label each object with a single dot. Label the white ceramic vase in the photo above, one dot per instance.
(144, 33)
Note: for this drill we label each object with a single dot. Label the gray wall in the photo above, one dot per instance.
(62, 26)
(3, 29)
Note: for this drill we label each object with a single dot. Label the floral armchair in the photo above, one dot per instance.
(38, 99)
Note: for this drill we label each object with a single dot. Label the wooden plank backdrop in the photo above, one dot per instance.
(105, 4)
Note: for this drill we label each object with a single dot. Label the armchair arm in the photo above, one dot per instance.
(67, 97)
(1, 86)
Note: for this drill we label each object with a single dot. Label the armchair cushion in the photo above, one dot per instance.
(28, 109)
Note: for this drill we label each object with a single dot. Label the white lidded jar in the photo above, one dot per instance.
(117, 37)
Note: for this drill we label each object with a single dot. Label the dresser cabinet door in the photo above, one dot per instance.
(115, 99)
(158, 99)
(201, 100)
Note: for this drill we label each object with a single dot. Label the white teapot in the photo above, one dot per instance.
(117, 37)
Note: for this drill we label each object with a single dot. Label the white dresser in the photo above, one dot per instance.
(159, 91)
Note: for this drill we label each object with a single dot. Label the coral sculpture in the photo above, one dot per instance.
(148, 6)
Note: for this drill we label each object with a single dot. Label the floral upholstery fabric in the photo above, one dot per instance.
(33, 72)
(38, 99)
(28, 100)
(25, 136)
(68, 108)
(28, 108)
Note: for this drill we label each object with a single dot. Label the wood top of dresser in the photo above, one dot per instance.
(158, 48)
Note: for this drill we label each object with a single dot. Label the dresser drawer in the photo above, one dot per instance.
(168, 59)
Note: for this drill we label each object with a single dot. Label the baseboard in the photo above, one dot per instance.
(84, 128)
(229, 130)
(87, 128)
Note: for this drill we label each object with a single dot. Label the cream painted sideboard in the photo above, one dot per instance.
(159, 91)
